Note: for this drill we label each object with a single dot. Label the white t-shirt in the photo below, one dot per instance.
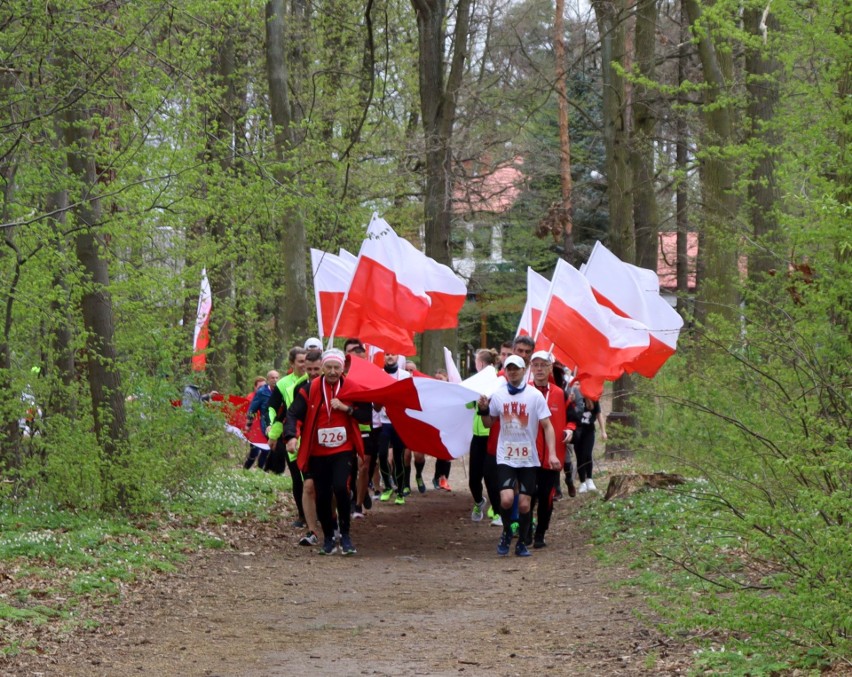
(519, 416)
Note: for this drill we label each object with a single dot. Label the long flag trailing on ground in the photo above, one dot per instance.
(586, 335)
(634, 292)
(431, 416)
(395, 291)
(201, 335)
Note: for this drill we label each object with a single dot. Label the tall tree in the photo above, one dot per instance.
(717, 292)
(642, 149)
(291, 313)
(439, 94)
(611, 17)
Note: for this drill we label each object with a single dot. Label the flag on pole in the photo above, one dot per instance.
(634, 292)
(591, 337)
(332, 275)
(395, 291)
(537, 290)
(201, 336)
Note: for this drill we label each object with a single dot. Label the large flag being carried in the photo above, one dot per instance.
(635, 293)
(431, 416)
(201, 336)
(585, 334)
(397, 290)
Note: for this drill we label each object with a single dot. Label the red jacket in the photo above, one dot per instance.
(307, 403)
(555, 398)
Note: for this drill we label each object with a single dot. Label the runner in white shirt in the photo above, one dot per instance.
(519, 410)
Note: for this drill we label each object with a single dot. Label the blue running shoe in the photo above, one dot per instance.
(346, 546)
(521, 550)
(503, 545)
(329, 545)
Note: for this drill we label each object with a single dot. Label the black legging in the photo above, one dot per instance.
(478, 452)
(442, 467)
(277, 461)
(331, 478)
(583, 448)
(547, 481)
(389, 438)
(491, 484)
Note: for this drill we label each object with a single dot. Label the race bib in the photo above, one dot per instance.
(331, 437)
(517, 450)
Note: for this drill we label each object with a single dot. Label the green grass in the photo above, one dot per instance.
(675, 541)
(55, 560)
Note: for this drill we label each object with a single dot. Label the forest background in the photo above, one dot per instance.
(143, 141)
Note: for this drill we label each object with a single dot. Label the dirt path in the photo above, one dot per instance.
(426, 595)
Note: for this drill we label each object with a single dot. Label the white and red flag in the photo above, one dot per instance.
(395, 291)
(634, 292)
(201, 335)
(538, 287)
(586, 335)
(332, 275)
(386, 301)
(430, 416)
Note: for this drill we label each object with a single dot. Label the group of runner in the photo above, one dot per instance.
(338, 450)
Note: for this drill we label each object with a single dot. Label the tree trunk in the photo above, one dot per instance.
(291, 318)
(101, 364)
(762, 73)
(566, 207)
(682, 196)
(611, 17)
(645, 214)
(717, 291)
(438, 112)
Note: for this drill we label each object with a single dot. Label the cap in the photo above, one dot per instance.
(313, 342)
(515, 360)
(542, 355)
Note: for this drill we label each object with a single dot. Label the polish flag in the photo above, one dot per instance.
(431, 416)
(591, 337)
(386, 301)
(538, 287)
(332, 275)
(446, 291)
(201, 336)
(634, 292)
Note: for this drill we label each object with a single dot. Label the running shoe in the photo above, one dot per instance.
(584, 487)
(368, 501)
(590, 485)
(328, 546)
(406, 491)
(515, 528)
(299, 524)
(346, 546)
(386, 494)
(476, 513)
(400, 499)
(358, 514)
(504, 544)
(421, 485)
(539, 543)
(557, 496)
(435, 483)
(491, 514)
(521, 549)
(497, 521)
(444, 484)
(309, 538)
